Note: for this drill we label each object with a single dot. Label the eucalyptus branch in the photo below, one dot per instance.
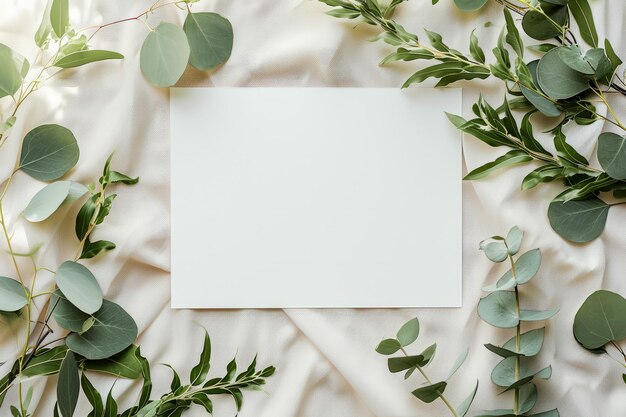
(431, 391)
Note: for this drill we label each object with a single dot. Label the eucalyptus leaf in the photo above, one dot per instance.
(123, 365)
(60, 19)
(48, 152)
(66, 314)
(541, 27)
(541, 103)
(430, 393)
(573, 57)
(457, 363)
(388, 347)
(612, 154)
(496, 251)
(91, 249)
(578, 221)
(530, 342)
(88, 56)
(68, 386)
(405, 362)
(470, 5)
(527, 265)
(535, 315)
(210, 38)
(514, 240)
(499, 309)
(408, 332)
(600, 320)
(13, 68)
(13, 296)
(557, 79)
(47, 201)
(45, 27)
(464, 407)
(85, 216)
(164, 55)
(113, 331)
(527, 398)
(79, 286)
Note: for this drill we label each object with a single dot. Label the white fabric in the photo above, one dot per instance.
(325, 358)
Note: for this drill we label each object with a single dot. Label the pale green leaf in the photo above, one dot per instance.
(12, 295)
(60, 18)
(164, 55)
(408, 332)
(612, 154)
(79, 58)
(499, 309)
(79, 286)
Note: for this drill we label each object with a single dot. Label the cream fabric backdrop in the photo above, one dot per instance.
(326, 362)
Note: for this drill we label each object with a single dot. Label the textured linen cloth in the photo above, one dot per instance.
(326, 362)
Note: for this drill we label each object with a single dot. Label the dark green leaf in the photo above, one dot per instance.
(600, 320)
(203, 400)
(68, 385)
(578, 221)
(566, 151)
(430, 393)
(405, 362)
(512, 34)
(48, 152)
(85, 217)
(538, 26)
(557, 79)
(93, 396)
(110, 407)
(513, 157)
(210, 38)
(201, 370)
(45, 362)
(116, 177)
(388, 347)
(123, 365)
(584, 18)
(475, 50)
(612, 154)
(92, 249)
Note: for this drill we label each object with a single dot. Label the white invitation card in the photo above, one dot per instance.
(315, 197)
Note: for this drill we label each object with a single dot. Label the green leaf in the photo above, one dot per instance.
(499, 309)
(79, 58)
(527, 265)
(573, 57)
(541, 103)
(200, 371)
(343, 13)
(408, 332)
(117, 177)
(79, 286)
(533, 315)
(457, 363)
(527, 398)
(123, 365)
(530, 343)
(475, 50)
(612, 154)
(164, 55)
(464, 407)
(600, 320)
(66, 314)
(504, 374)
(610, 53)
(538, 26)
(60, 19)
(566, 151)
(112, 332)
(469, 5)
(210, 38)
(388, 347)
(512, 34)
(557, 79)
(600, 62)
(110, 407)
(496, 250)
(146, 388)
(203, 400)
(406, 362)
(430, 393)
(551, 413)
(13, 69)
(578, 221)
(513, 157)
(68, 386)
(92, 249)
(436, 71)
(12, 295)
(490, 137)
(85, 216)
(93, 396)
(514, 240)
(48, 152)
(584, 18)
(50, 198)
(45, 362)
(45, 27)
(542, 47)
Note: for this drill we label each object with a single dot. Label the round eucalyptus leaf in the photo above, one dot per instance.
(527, 398)
(539, 27)
(48, 152)
(530, 342)
(612, 154)
(12, 295)
(66, 314)
(210, 39)
(499, 309)
(557, 79)
(164, 55)
(469, 5)
(527, 265)
(388, 347)
(79, 286)
(600, 320)
(13, 69)
(572, 57)
(495, 250)
(113, 331)
(578, 221)
(514, 240)
(47, 201)
(541, 103)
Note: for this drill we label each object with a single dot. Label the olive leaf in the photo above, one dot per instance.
(584, 18)
(164, 55)
(48, 152)
(68, 386)
(77, 59)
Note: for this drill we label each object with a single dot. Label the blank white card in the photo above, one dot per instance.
(315, 197)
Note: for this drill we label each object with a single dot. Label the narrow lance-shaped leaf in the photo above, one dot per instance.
(513, 157)
(68, 386)
(201, 370)
(584, 18)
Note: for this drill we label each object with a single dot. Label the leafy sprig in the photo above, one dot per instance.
(563, 86)
(502, 308)
(429, 391)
